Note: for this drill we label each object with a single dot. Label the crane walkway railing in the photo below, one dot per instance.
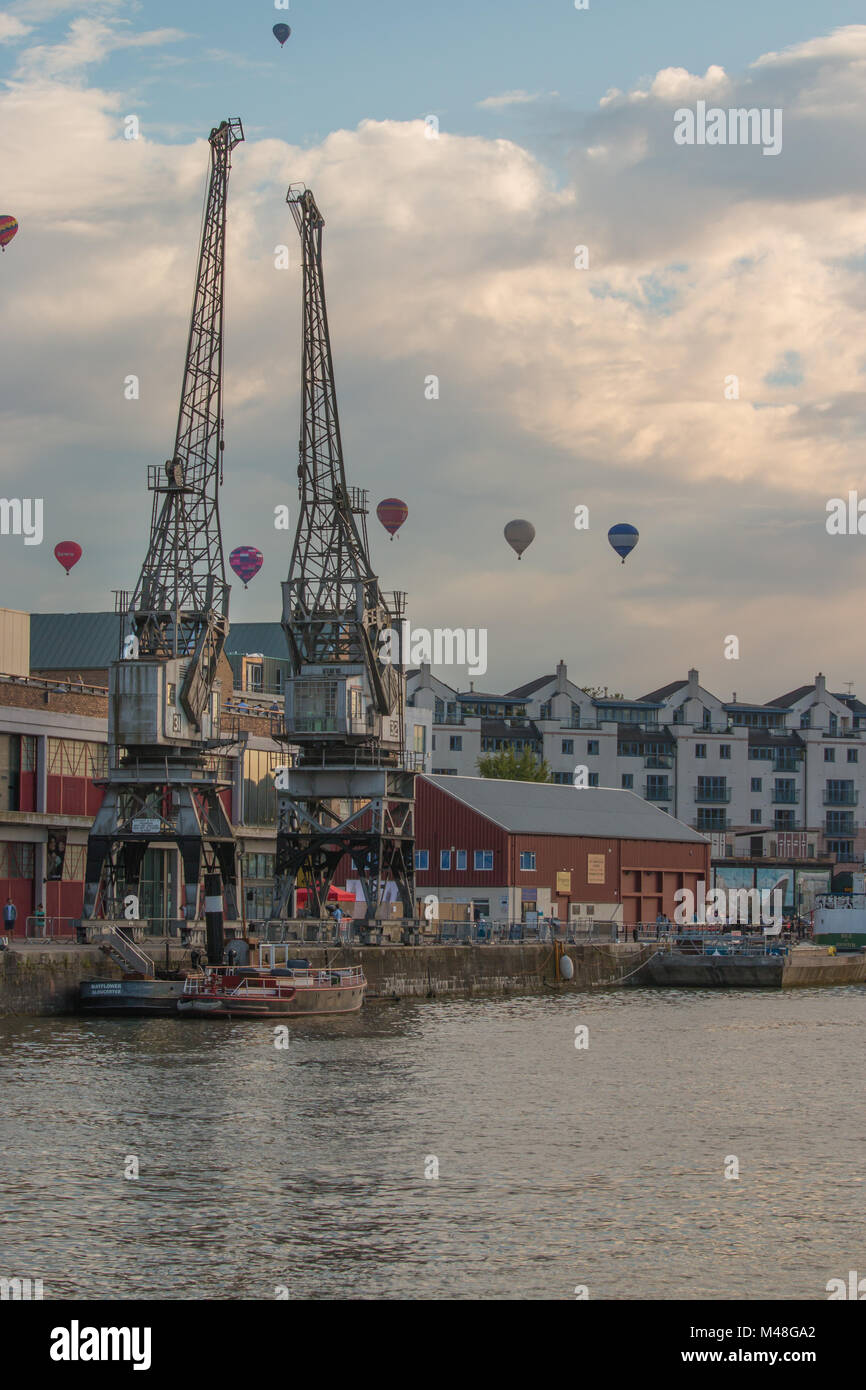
(116, 944)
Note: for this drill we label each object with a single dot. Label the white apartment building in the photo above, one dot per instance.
(776, 779)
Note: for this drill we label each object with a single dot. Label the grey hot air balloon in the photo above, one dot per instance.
(519, 535)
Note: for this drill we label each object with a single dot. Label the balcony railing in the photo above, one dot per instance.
(661, 793)
(714, 794)
(786, 764)
(663, 761)
(707, 823)
(786, 796)
(848, 797)
(787, 824)
(841, 827)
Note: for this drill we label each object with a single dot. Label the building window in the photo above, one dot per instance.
(434, 743)
(568, 745)
(756, 817)
(679, 715)
(708, 719)
(527, 859)
(700, 750)
(445, 859)
(628, 781)
(455, 743)
(757, 784)
(420, 738)
(591, 746)
(724, 750)
(545, 711)
(259, 794)
(834, 725)
(806, 719)
(483, 859)
(461, 859)
(593, 779)
(852, 755)
(422, 858)
(829, 755)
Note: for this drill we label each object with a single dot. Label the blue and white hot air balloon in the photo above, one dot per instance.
(623, 538)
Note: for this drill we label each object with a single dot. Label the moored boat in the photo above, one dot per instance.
(272, 991)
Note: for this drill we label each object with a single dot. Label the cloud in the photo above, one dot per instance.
(558, 386)
(12, 28)
(518, 98)
(88, 41)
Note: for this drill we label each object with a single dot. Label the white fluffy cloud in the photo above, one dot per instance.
(455, 257)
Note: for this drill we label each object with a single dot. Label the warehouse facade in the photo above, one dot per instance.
(514, 851)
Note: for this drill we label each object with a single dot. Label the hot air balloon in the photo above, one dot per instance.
(623, 538)
(8, 228)
(519, 535)
(246, 562)
(67, 553)
(281, 32)
(392, 513)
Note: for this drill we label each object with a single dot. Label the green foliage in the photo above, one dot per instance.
(514, 767)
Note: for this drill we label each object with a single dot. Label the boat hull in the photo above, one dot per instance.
(304, 1002)
(144, 997)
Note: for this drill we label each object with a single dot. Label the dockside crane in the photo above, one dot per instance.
(349, 788)
(164, 781)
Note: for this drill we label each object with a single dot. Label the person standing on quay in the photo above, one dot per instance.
(10, 917)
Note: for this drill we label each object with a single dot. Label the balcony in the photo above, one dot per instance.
(786, 796)
(846, 797)
(783, 764)
(710, 821)
(660, 793)
(664, 761)
(787, 824)
(717, 795)
(840, 827)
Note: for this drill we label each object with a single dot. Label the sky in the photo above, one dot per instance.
(608, 385)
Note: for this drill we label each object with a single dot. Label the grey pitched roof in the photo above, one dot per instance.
(793, 696)
(664, 691)
(544, 808)
(524, 691)
(64, 641)
(267, 638)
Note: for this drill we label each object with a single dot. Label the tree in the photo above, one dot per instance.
(598, 692)
(514, 767)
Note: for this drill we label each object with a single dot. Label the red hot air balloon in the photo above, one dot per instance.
(246, 562)
(392, 513)
(67, 553)
(8, 228)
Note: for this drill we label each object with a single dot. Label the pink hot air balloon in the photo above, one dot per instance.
(392, 513)
(8, 228)
(67, 553)
(246, 562)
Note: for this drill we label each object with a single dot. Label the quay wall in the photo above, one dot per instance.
(43, 979)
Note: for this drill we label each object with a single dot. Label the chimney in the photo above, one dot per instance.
(693, 684)
(471, 687)
(561, 676)
(820, 684)
(734, 697)
(425, 681)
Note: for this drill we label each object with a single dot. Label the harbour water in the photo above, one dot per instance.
(268, 1172)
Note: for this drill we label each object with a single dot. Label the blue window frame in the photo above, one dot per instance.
(483, 859)
(445, 859)
(422, 858)
(461, 859)
(527, 859)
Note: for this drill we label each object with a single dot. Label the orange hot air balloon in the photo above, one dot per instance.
(8, 228)
(67, 553)
(392, 513)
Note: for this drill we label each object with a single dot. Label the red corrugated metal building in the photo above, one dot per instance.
(508, 849)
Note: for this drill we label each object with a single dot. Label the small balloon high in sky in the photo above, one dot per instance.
(392, 513)
(246, 561)
(67, 554)
(623, 538)
(281, 32)
(519, 535)
(8, 228)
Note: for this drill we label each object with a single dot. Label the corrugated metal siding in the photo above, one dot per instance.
(442, 822)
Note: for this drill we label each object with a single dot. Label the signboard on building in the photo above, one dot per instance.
(595, 868)
(144, 825)
(55, 853)
(563, 881)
